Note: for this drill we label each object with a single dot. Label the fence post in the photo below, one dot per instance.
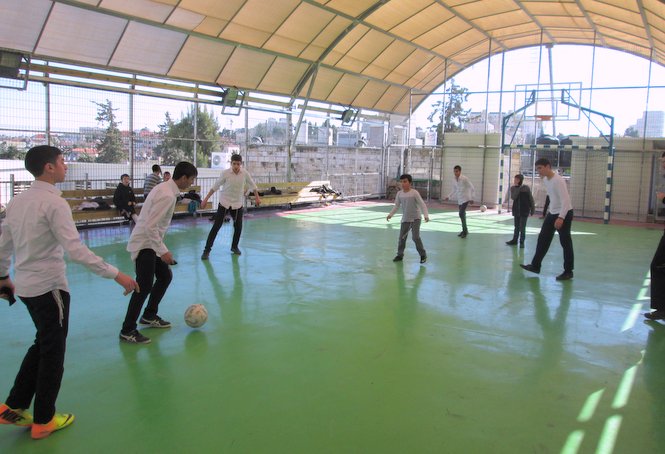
(11, 186)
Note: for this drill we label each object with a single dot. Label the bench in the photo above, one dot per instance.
(291, 193)
(83, 217)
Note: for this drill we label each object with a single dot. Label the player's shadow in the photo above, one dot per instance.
(654, 378)
(407, 298)
(150, 373)
(230, 301)
(553, 325)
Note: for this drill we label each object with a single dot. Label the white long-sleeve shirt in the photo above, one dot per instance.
(463, 190)
(154, 220)
(412, 203)
(38, 230)
(559, 198)
(233, 187)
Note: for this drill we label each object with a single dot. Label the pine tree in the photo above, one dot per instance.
(454, 114)
(109, 148)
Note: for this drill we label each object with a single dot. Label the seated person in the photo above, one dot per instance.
(124, 199)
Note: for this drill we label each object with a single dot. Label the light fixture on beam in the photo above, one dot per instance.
(10, 64)
(349, 116)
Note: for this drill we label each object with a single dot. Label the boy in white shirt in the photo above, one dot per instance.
(413, 207)
(233, 182)
(463, 191)
(150, 254)
(558, 219)
(38, 230)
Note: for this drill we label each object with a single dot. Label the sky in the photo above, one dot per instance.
(72, 108)
(570, 64)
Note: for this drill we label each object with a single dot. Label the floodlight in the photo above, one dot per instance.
(349, 116)
(10, 63)
(230, 97)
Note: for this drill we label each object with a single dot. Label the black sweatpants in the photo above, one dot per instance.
(153, 277)
(462, 216)
(41, 371)
(219, 220)
(658, 277)
(545, 239)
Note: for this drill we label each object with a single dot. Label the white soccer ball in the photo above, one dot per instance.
(196, 315)
(483, 208)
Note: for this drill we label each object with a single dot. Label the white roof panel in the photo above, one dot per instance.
(359, 46)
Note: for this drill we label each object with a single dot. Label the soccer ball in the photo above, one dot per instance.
(196, 315)
(483, 208)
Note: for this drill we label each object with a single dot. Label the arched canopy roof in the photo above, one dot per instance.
(364, 53)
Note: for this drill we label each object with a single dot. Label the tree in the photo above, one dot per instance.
(178, 138)
(631, 132)
(11, 152)
(110, 147)
(454, 115)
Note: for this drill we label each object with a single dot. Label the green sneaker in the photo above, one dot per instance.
(18, 417)
(59, 421)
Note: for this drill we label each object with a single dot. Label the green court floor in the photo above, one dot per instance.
(318, 343)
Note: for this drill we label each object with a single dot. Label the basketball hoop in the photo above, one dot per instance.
(544, 117)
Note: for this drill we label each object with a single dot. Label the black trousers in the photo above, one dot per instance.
(462, 216)
(658, 277)
(219, 220)
(520, 228)
(153, 277)
(41, 371)
(545, 239)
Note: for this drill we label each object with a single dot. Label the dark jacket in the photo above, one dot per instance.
(523, 204)
(122, 196)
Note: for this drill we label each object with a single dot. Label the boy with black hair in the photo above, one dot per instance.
(151, 256)
(463, 192)
(124, 199)
(38, 230)
(413, 207)
(233, 182)
(152, 180)
(523, 207)
(558, 219)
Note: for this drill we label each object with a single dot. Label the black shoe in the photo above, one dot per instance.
(565, 276)
(521, 245)
(236, 251)
(463, 234)
(205, 255)
(156, 322)
(655, 315)
(460, 234)
(511, 243)
(423, 258)
(531, 268)
(134, 337)
(398, 258)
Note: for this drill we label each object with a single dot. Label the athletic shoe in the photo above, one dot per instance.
(460, 234)
(511, 243)
(134, 337)
(655, 315)
(423, 258)
(463, 234)
(18, 417)
(521, 245)
(59, 421)
(531, 268)
(156, 322)
(236, 251)
(565, 276)
(205, 255)
(398, 258)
